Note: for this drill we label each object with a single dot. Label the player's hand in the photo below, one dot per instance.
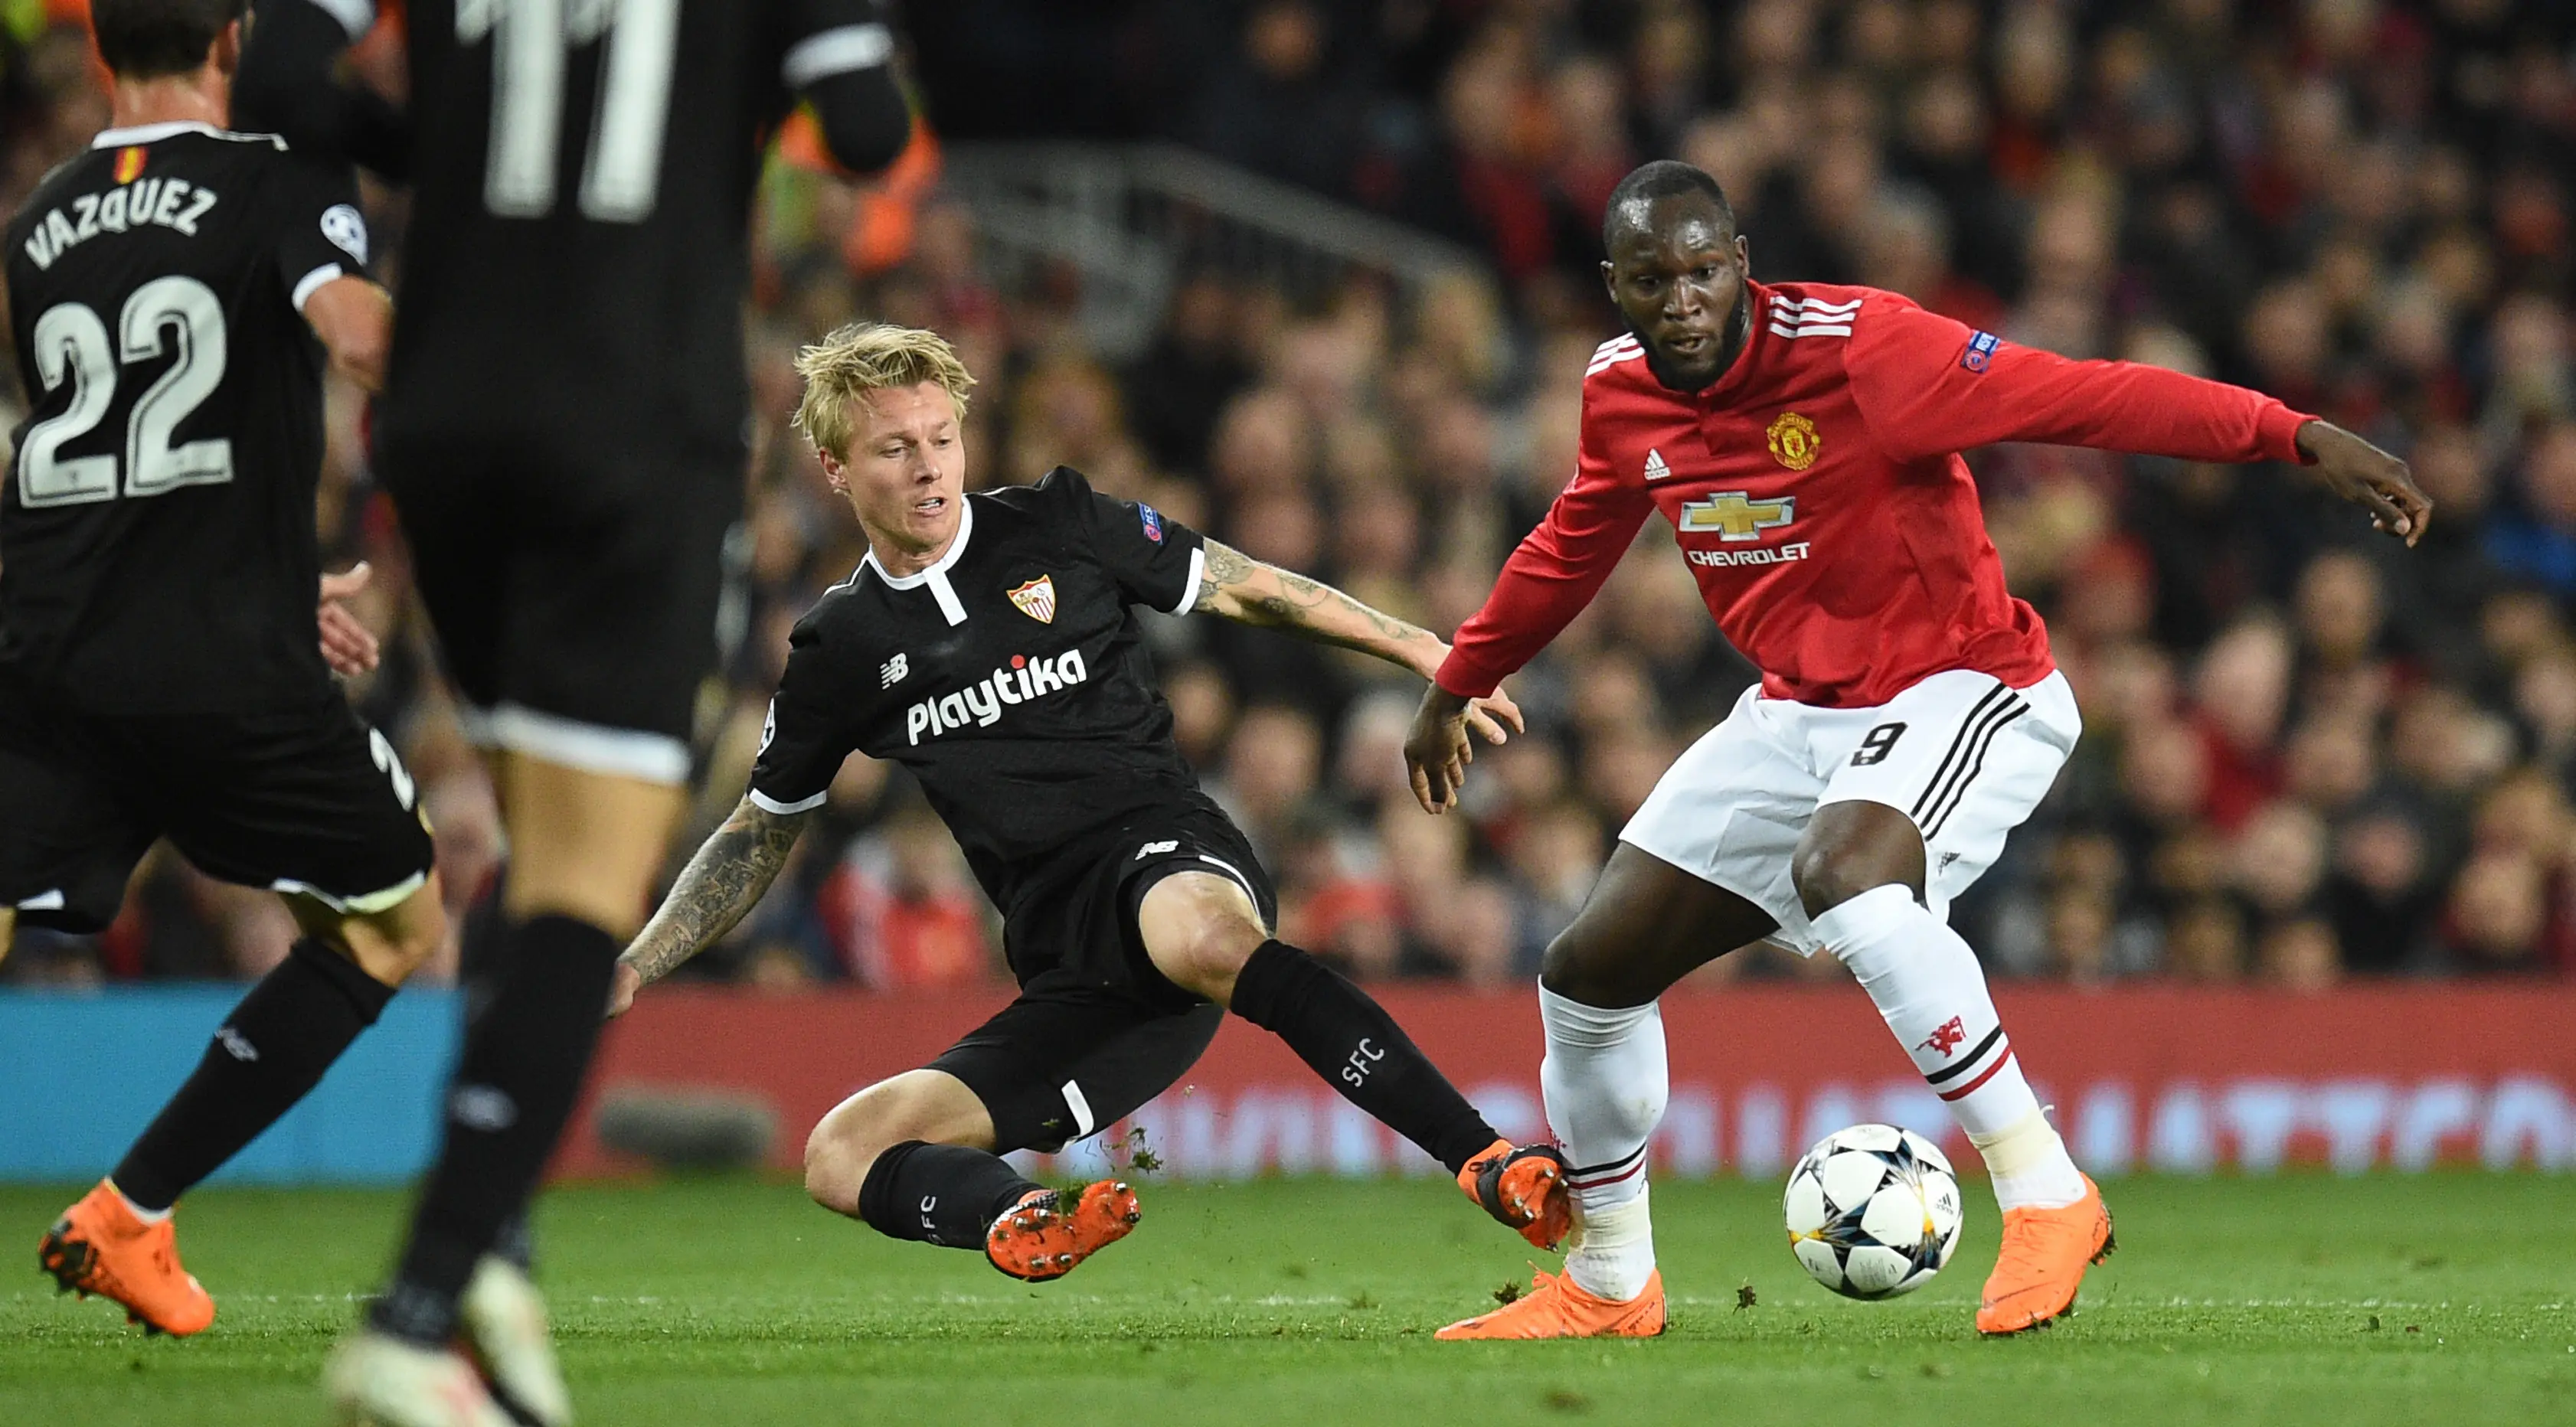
(2368, 477)
(623, 982)
(347, 646)
(1493, 713)
(1437, 750)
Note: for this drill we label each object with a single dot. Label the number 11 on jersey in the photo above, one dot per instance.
(531, 39)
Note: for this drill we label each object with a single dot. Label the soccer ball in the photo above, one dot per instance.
(1873, 1211)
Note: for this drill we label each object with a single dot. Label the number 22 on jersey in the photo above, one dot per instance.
(72, 344)
(530, 43)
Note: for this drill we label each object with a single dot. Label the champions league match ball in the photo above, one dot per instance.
(1873, 1211)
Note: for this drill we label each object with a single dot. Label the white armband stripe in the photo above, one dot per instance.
(312, 282)
(1190, 587)
(775, 808)
(838, 51)
(355, 16)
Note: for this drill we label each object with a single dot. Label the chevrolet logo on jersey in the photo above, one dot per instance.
(1736, 517)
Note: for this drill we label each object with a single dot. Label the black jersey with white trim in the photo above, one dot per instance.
(1011, 677)
(575, 266)
(157, 549)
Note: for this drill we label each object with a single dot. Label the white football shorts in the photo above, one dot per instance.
(1963, 754)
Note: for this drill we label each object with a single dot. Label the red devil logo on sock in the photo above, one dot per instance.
(1945, 1037)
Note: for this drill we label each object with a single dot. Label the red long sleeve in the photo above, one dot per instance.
(1556, 571)
(1913, 384)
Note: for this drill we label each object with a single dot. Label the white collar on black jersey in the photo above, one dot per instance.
(937, 575)
(154, 133)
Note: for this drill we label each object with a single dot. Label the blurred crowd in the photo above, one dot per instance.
(2309, 753)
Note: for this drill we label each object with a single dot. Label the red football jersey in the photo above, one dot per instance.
(1818, 492)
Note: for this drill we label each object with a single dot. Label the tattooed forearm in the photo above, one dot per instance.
(720, 886)
(1241, 588)
(1227, 568)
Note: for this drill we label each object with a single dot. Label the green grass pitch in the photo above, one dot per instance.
(2291, 1300)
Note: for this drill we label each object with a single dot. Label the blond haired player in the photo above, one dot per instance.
(989, 643)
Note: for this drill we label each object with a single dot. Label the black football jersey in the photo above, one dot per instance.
(1011, 677)
(157, 547)
(574, 272)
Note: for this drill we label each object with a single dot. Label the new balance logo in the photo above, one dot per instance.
(980, 704)
(236, 1045)
(891, 672)
(1152, 849)
(1656, 470)
(1945, 1038)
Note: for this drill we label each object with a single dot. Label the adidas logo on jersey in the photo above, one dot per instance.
(981, 703)
(1656, 470)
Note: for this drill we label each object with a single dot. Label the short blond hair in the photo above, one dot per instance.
(864, 357)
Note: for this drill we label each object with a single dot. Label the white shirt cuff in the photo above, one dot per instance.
(1190, 589)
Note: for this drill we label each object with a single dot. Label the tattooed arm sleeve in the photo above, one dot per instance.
(721, 884)
(1237, 587)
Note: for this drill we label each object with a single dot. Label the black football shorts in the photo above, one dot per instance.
(308, 800)
(575, 597)
(1096, 1031)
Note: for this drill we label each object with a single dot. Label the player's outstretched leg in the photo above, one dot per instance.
(936, 1180)
(1930, 989)
(1204, 935)
(118, 1241)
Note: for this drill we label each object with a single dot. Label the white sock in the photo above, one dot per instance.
(1612, 1251)
(1932, 993)
(1605, 1083)
(148, 1216)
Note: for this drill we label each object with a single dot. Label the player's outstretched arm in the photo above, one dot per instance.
(1237, 587)
(2368, 477)
(718, 888)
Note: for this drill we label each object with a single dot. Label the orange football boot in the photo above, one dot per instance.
(2042, 1261)
(1041, 1238)
(1523, 1186)
(1557, 1307)
(98, 1246)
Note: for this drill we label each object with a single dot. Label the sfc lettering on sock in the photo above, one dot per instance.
(1362, 1061)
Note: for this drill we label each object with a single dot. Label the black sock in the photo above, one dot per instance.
(939, 1194)
(515, 1083)
(272, 1049)
(1360, 1051)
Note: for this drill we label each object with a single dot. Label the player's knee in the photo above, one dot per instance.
(1850, 848)
(419, 938)
(844, 1145)
(1580, 967)
(1208, 957)
(1198, 932)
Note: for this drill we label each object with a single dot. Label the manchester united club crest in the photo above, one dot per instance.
(1036, 599)
(1794, 442)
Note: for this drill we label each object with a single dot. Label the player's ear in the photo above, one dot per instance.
(225, 54)
(1610, 281)
(833, 475)
(1743, 255)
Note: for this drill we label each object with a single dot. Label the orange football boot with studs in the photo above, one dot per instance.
(1523, 1186)
(1044, 1236)
(2042, 1261)
(1557, 1307)
(100, 1247)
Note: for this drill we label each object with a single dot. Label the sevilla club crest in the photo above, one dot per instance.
(1036, 599)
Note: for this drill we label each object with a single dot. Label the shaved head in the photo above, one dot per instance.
(1632, 202)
